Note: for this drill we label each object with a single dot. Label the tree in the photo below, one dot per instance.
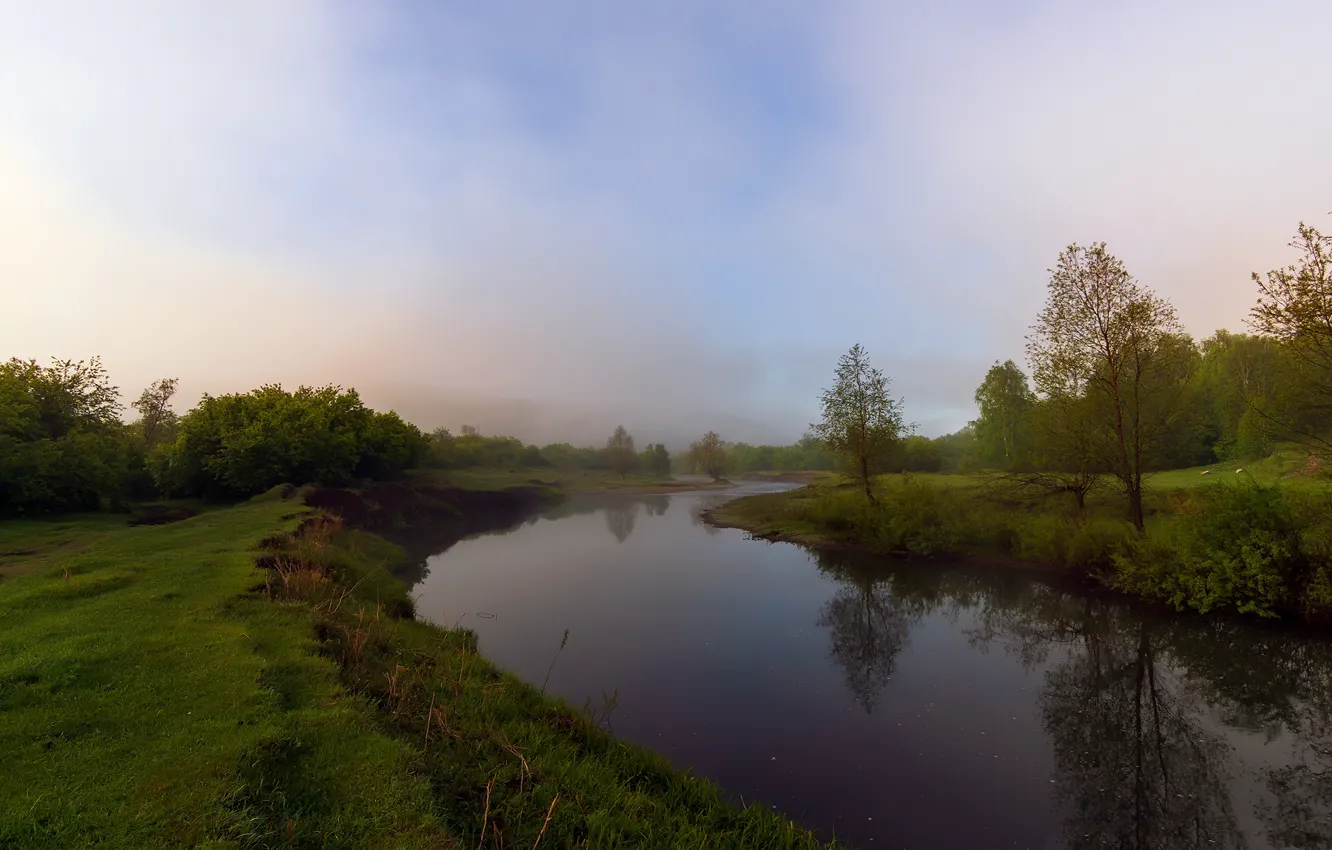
(620, 451)
(1295, 307)
(156, 418)
(709, 454)
(62, 446)
(921, 454)
(862, 424)
(656, 460)
(1003, 431)
(1109, 352)
(243, 444)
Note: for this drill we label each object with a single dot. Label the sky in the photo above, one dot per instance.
(552, 218)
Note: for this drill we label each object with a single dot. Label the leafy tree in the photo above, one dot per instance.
(1003, 431)
(656, 460)
(620, 451)
(157, 421)
(1295, 308)
(862, 424)
(708, 453)
(242, 444)
(921, 454)
(1109, 353)
(957, 451)
(62, 446)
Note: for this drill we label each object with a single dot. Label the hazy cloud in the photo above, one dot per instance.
(675, 218)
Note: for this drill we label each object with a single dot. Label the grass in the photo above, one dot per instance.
(159, 689)
(148, 700)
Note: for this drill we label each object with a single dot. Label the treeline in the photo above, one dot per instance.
(470, 449)
(1234, 395)
(63, 446)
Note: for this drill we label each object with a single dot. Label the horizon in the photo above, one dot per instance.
(677, 218)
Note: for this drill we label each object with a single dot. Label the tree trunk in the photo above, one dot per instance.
(1081, 496)
(865, 477)
(1135, 505)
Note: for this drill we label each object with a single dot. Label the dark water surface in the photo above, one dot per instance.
(905, 705)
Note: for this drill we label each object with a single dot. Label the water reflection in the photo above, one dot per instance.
(620, 519)
(1137, 706)
(868, 627)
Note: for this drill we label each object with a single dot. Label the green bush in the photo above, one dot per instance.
(62, 446)
(1248, 548)
(242, 444)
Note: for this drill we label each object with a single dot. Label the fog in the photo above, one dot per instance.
(550, 221)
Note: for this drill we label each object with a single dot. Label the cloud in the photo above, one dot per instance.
(673, 217)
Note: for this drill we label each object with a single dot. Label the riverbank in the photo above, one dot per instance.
(251, 676)
(1250, 548)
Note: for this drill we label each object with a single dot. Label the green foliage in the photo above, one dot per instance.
(708, 455)
(472, 450)
(62, 447)
(655, 460)
(620, 454)
(242, 444)
(921, 454)
(1239, 547)
(1294, 310)
(1110, 364)
(1003, 432)
(809, 453)
(862, 424)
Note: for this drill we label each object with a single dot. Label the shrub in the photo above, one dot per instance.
(1237, 547)
(62, 447)
(242, 444)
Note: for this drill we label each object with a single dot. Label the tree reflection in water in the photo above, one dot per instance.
(867, 630)
(1137, 704)
(620, 519)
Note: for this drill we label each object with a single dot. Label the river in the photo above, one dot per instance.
(918, 705)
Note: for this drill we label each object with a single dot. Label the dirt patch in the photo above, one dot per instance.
(160, 514)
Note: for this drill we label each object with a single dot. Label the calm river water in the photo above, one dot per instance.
(900, 704)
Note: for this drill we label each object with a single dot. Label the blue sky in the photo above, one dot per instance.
(674, 215)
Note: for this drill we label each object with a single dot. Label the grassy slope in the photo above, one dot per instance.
(147, 700)
(157, 697)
